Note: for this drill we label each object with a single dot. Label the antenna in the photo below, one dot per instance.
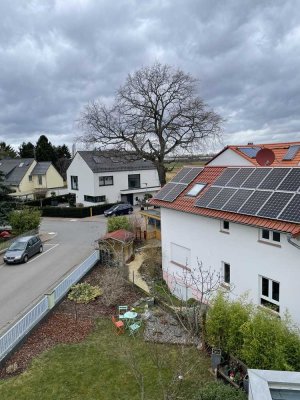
(265, 157)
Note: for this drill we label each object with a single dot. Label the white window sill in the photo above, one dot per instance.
(269, 310)
(269, 242)
(223, 231)
(225, 285)
(180, 265)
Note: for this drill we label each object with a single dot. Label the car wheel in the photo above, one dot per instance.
(25, 259)
(113, 214)
(41, 249)
(130, 211)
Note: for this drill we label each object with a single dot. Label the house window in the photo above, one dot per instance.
(74, 182)
(270, 236)
(180, 256)
(269, 293)
(226, 272)
(40, 179)
(225, 226)
(196, 189)
(30, 178)
(134, 181)
(106, 180)
(94, 199)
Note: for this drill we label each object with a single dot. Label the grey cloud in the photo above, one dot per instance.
(55, 56)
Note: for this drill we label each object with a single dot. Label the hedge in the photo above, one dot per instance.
(75, 212)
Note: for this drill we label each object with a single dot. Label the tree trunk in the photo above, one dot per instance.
(161, 170)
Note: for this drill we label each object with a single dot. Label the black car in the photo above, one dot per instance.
(119, 209)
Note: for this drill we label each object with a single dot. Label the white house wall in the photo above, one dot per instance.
(229, 157)
(79, 168)
(248, 257)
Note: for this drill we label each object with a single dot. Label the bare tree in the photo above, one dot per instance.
(156, 114)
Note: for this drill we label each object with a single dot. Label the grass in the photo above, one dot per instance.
(105, 366)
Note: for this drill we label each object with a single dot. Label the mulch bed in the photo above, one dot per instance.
(61, 326)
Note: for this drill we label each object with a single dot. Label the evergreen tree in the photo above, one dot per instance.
(6, 202)
(44, 151)
(26, 150)
(6, 151)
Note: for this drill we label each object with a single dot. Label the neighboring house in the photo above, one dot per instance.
(98, 178)
(28, 178)
(243, 222)
(286, 154)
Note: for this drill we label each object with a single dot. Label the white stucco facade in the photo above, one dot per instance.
(187, 238)
(89, 183)
(229, 157)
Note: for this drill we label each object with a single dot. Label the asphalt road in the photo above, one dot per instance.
(71, 242)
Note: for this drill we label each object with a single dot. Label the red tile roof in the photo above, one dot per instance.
(122, 235)
(209, 175)
(279, 150)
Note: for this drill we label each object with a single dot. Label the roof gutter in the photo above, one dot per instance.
(289, 239)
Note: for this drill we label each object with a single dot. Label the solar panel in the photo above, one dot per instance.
(292, 211)
(181, 174)
(256, 177)
(208, 196)
(274, 178)
(191, 175)
(275, 204)
(292, 181)
(166, 189)
(249, 151)
(240, 177)
(291, 152)
(226, 176)
(255, 202)
(219, 201)
(175, 192)
(237, 200)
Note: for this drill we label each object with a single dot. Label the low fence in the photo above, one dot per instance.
(25, 324)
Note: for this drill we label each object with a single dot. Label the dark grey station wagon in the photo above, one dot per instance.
(22, 249)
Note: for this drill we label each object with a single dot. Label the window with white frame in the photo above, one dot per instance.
(40, 179)
(106, 180)
(226, 273)
(269, 236)
(180, 256)
(269, 293)
(74, 182)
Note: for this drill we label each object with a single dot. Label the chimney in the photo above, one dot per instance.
(250, 143)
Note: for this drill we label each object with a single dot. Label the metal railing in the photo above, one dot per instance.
(25, 324)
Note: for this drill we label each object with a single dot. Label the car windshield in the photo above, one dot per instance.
(18, 246)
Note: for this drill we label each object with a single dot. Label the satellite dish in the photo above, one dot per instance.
(265, 157)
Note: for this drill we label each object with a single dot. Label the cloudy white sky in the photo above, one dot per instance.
(57, 55)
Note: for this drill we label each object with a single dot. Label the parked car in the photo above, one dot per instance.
(119, 209)
(22, 249)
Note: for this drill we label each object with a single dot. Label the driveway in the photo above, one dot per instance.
(69, 242)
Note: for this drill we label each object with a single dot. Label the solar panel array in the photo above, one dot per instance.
(177, 185)
(264, 192)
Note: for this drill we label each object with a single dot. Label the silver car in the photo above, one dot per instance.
(22, 249)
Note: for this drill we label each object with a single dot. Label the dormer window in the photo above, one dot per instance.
(196, 189)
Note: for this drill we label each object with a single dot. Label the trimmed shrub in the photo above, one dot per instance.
(24, 220)
(84, 293)
(219, 391)
(121, 222)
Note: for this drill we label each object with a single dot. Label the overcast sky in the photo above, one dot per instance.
(57, 55)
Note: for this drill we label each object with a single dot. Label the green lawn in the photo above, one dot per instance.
(106, 366)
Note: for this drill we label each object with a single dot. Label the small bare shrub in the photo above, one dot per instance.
(113, 286)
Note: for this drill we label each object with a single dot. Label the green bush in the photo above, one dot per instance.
(257, 337)
(24, 220)
(219, 391)
(84, 293)
(115, 223)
